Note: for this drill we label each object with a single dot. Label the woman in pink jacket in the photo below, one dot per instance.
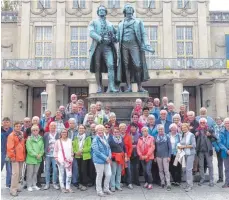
(145, 149)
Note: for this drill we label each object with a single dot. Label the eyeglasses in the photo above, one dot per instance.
(107, 127)
(35, 130)
(202, 122)
(27, 121)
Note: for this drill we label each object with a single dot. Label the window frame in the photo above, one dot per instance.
(181, 4)
(152, 5)
(81, 4)
(46, 4)
(115, 4)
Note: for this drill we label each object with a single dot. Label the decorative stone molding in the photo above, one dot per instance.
(220, 80)
(43, 12)
(148, 11)
(78, 11)
(7, 46)
(184, 11)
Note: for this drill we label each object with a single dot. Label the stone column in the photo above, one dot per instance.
(92, 85)
(178, 89)
(51, 90)
(167, 29)
(202, 29)
(7, 99)
(24, 36)
(221, 97)
(60, 29)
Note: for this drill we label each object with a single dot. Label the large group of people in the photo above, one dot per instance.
(81, 149)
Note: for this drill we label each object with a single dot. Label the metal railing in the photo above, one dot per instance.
(152, 63)
(9, 16)
(218, 16)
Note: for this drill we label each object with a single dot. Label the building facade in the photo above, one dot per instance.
(45, 46)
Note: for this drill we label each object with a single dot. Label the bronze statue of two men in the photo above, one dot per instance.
(130, 64)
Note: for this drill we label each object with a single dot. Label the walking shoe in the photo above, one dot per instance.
(63, 190)
(188, 188)
(112, 189)
(138, 184)
(83, 188)
(163, 185)
(14, 194)
(101, 194)
(130, 186)
(70, 190)
(55, 186)
(220, 181)
(39, 185)
(108, 192)
(30, 189)
(184, 186)
(90, 184)
(7, 186)
(121, 184)
(225, 186)
(146, 185)
(119, 188)
(46, 187)
(211, 184)
(36, 188)
(76, 185)
(168, 188)
(19, 189)
(150, 187)
(201, 183)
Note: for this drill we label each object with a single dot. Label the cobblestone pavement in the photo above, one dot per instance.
(138, 193)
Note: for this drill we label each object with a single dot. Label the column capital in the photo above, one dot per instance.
(50, 81)
(7, 81)
(220, 80)
(178, 80)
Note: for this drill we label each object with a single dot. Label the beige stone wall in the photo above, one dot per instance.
(218, 32)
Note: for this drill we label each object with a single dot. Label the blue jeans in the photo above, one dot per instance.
(147, 171)
(48, 161)
(8, 169)
(75, 172)
(116, 171)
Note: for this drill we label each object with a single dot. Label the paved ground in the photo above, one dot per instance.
(138, 193)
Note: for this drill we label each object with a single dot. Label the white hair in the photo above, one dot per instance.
(138, 100)
(226, 120)
(92, 105)
(122, 124)
(164, 111)
(72, 120)
(52, 123)
(145, 128)
(112, 114)
(171, 104)
(172, 125)
(151, 116)
(176, 116)
(160, 126)
(203, 119)
(191, 113)
(26, 118)
(165, 98)
(35, 118)
(98, 127)
(203, 109)
(99, 102)
(156, 99)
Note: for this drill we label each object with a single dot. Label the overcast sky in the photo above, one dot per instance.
(219, 5)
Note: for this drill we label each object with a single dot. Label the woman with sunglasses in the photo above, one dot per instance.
(35, 151)
(64, 157)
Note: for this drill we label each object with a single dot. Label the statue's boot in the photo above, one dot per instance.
(111, 84)
(98, 77)
(128, 82)
(139, 82)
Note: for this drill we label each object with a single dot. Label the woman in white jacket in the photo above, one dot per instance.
(63, 155)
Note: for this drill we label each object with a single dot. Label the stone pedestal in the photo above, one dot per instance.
(120, 103)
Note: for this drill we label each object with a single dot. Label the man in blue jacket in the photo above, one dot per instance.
(224, 146)
(163, 120)
(5, 131)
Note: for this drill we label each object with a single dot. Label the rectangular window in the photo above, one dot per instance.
(183, 4)
(149, 3)
(79, 3)
(79, 46)
(152, 33)
(113, 3)
(184, 36)
(43, 4)
(43, 44)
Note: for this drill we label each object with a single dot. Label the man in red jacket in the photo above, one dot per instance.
(128, 146)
